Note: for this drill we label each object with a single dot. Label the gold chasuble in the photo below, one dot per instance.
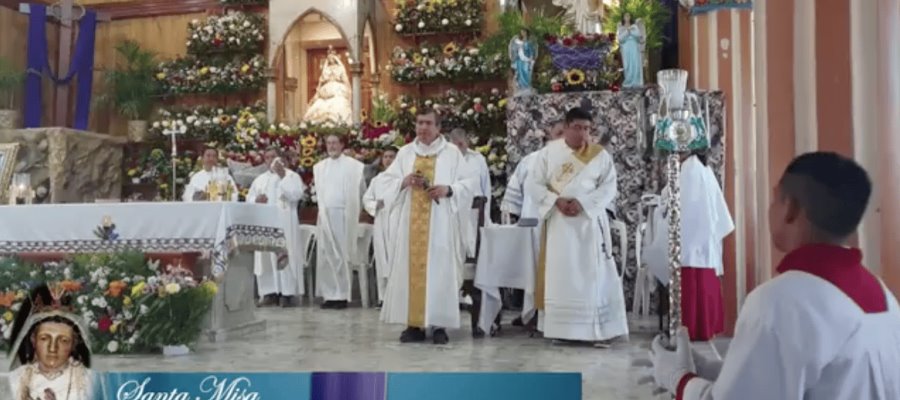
(558, 181)
(419, 229)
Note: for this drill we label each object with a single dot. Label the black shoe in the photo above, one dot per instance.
(287, 301)
(440, 337)
(268, 300)
(518, 322)
(477, 333)
(413, 335)
(328, 305)
(380, 305)
(340, 304)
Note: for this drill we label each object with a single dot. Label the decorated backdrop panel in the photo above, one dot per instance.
(620, 120)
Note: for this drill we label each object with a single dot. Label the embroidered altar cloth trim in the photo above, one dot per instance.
(218, 228)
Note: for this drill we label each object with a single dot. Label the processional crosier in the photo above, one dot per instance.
(172, 131)
(679, 128)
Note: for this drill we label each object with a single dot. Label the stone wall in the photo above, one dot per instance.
(68, 166)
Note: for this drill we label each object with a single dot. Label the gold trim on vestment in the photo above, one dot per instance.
(419, 233)
(587, 153)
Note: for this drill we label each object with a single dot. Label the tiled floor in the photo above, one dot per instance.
(309, 339)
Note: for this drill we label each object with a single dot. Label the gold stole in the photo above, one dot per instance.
(419, 229)
(558, 181)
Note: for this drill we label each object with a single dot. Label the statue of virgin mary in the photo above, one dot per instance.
(331, 104)
(50, 355)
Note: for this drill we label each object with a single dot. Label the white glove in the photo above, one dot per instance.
(670, 366)
(707, 368)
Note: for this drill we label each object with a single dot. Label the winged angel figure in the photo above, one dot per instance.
(580, 14)
(522, 53)
(632, 41)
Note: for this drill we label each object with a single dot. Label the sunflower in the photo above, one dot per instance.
(224, 119)
(307, 162)
(575, 76)
(308, 141)
(450, 49)
(308, 152)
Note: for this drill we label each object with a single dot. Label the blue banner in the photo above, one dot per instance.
(484, 386)
(205, 386)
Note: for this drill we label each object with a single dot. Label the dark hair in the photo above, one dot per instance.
(578, 113)
(26, 352)
(430, 111)
(833, 190)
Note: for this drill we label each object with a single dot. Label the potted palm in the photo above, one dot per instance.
(11, 79)
(131, 88)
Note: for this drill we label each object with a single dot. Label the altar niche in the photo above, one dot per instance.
(305, 64)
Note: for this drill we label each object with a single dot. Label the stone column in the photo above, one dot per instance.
(356, 70)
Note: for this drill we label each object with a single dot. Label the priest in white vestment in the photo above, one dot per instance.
(432, 198)
(705, 222)
(385, 220)
(578, 292)
(477, 165)
(340, 186)
(826, 327)
(280, 187)
(196, 189)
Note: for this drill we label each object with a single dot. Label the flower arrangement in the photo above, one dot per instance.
(193, 75)
(494, 151)
(438, 16)
(128, 303)
(479, 113)
(578, 62)
(234, 32)
(452, 61)
(207, 123)
(244, 2)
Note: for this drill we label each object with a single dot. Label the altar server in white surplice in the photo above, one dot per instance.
(477, 166)
(515, 200)
(433, 201)
(282, 188)
(340, 185)
(826, 327)
(196, 187)
(578, 292)
(385, 219)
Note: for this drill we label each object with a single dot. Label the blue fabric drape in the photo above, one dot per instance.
(82, 67)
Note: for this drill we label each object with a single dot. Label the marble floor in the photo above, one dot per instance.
(309, 339)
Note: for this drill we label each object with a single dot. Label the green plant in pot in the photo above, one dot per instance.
(653, 15)
(131, 88)
(11, 79)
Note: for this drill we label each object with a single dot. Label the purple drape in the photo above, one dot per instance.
(348, 386)
(82, 66)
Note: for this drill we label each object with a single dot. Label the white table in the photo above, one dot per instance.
(228, 233)
(507, 258)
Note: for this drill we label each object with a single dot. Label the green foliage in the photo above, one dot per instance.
(131, 89)
(382, 111)
(177, 318)
(652, 12)
(511, 22)
(11, 79)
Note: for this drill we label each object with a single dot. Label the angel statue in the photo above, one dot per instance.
(632, 39)
(580, 13)
(522, 53)
(51, 354)
(331, 104)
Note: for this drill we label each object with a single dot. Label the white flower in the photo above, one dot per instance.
(156, 125)
(468, 22)
(112, 346)
(421, 24)
(445, 22)
(398, 27)
(477, 100)
(425, 50)
(173, 288)
(246, 24)
(6, 334)
(303, 125)
(102, 283)
(470, 111)
(428, 103)
(144, 309)
(421, 7)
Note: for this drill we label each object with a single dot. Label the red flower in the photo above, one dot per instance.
(611, 37)
(478, 107)
(104, 323)
(580, 38)
(567, 42)
(614, 88)
(556, 87)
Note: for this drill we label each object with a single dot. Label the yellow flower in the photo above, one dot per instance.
(161, 76)
(307, 152)
(245, 68)
(137, 290)
(575, 76)
(8, 316)
(132, 172)
(126, 301)
(450, 49)
(114, 327)
(309, 141)
(20, 295)
(173, 288)
(307, 162)
(204, 71)
(412, 110)
(224, 119)
(163, 186)
(501, 103)
(210, 287)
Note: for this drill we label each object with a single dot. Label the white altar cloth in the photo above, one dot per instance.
(507, 258)
(219, 228)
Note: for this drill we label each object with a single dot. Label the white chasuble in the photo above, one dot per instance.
(476, 165)
(427, 247)
(339, 186)
(75, 382)
(705, 222)
(577, 286)
(199, 182)
(284, 193)
(375, 202)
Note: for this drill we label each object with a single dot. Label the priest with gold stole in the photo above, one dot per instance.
(432, 192)
(578, 292)
(339, 188)
(280, 187)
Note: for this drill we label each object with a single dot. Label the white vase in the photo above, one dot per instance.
(175, 351)
(9, 119)
(137, 130)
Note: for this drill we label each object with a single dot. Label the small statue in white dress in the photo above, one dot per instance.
(331, 104)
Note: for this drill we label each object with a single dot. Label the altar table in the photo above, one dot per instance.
(228, 232)
(506, 259)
